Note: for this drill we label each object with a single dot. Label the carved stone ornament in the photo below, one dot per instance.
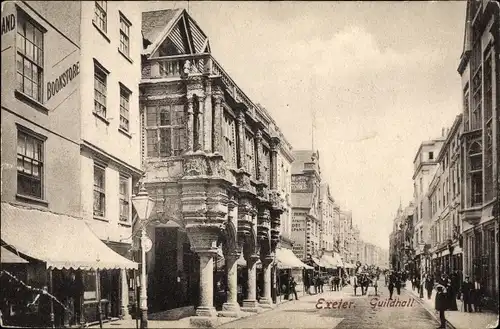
(203, 238)
(195, 165)
(216, 166)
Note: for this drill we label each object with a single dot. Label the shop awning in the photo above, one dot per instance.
(334, 263)
(318, 262)
(9, 257)
(286, 259)
(349, 265)
(58, 240)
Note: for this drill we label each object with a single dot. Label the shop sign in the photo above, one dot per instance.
(8, 23)
(298, 225)
(53, 87)
(298, 250)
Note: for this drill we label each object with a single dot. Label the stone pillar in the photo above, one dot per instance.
(217, 120)
(240, 130)
(125, 315)
(201, 124)
(259, 156)
(231, 307)
(250, 304)
(266, 300)
(189, 125)
(274, 163)
(208, 118)
(206, 307)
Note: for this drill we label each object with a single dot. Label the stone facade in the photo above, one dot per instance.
(479, 143)
(211, 161)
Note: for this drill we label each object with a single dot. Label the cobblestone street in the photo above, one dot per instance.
(304, 314)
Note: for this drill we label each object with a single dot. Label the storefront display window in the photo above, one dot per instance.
(90, 286)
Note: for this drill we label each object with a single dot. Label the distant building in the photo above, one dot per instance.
(444, 200)
(424, 163)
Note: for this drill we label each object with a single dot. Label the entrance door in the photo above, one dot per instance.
(165, 269)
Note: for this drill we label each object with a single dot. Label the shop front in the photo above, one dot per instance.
(71, 277)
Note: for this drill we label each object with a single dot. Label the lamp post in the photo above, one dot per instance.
(143, 205)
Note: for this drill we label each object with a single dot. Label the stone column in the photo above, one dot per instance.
(201, 124)
(217, 120)
(240, 130)
(274, 163)
(250, 304)
(189, 125)
(231, 307)
(125, 315)
(259, 155)
(266, 300)
(208, 118)
(206, 307)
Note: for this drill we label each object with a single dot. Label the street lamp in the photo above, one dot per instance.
(143, 205)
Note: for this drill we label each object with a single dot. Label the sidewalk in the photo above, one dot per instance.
(458, 319)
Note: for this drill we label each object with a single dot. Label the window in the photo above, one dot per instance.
(29, 165)
(476, 85)
(99, 191)
(421, 235)
(99, 91)
(124, 35)
(431, 155)
(466, 108)
(165, 130)
(475, 159)
(29, 58)
(124, 199)
(249, 153)
(100, 15)
(266, 166)
(421, 209)
(228, 140)
(489, 185)
(124, 108)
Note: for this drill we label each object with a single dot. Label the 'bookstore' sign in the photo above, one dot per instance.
(53, 87)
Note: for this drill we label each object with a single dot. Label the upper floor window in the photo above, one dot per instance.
(124, 199)
(229, 140)
(29, 165)
(99, 191)
(29, 57)
(249, 153)
(475, 173)
(124, 108)
(100, 15)
(466, 108)
(124, 35)
(165, 130)
(266, 166)
(431, 155)
(100, 77)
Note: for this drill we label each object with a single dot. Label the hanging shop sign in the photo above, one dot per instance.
(54, 87)
(8, 23)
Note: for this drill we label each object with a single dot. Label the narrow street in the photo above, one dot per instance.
(304, 314)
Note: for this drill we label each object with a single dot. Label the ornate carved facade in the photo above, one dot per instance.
(212, 154)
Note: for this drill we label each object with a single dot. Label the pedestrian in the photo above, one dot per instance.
(452, 298)
(321, 283)
(337, 283)
(478, 296)
(292, 285)
(375, 285)
(467, 291)
(440, 305)
(397, 284)
(391, 285)
(429, 284)
(354, 283)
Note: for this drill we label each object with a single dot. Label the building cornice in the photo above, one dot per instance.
(454, 130)
(109, 158)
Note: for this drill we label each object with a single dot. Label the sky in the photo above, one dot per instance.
(381, 77)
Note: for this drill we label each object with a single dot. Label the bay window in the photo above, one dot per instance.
(475, 172)
(165, 130)
(229, 140)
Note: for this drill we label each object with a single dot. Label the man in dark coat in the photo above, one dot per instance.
(397, 284)
(477, 295)
(429, 284)
(391, 285)
(292, 285)
(440, 305)
(467, 291)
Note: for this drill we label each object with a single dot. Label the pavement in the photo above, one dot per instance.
(457, 319)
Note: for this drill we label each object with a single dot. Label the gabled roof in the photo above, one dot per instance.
(176, 25)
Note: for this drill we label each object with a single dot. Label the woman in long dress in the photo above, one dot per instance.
(451, 295)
